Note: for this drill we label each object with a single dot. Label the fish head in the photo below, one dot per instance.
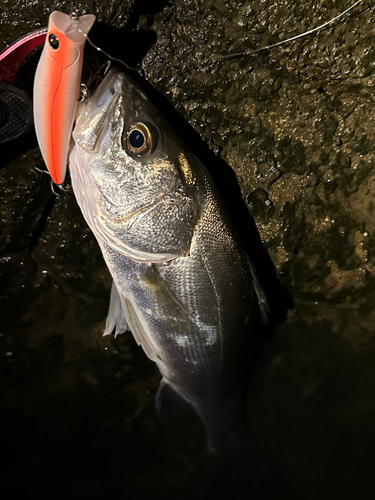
(131, 174)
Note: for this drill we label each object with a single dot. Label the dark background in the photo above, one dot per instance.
(296, 125)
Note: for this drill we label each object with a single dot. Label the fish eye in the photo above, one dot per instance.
(138, 140)
(53, 41)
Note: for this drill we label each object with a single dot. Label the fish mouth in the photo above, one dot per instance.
(92, 114)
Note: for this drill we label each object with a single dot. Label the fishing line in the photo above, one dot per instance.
(74, 17)
(138, 70)
(53, 185)
(93, 81)
(42, 171)
(277, 44)
(306, 33)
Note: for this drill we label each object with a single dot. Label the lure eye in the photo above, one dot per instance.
(138, 140)
(53, 41)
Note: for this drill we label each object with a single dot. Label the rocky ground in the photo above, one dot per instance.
(295, 125)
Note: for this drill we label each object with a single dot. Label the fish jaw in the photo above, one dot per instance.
(56, 89)
(93, 114)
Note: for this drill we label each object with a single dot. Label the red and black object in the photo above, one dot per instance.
(16, 109)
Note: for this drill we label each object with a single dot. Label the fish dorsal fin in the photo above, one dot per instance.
(116, 316)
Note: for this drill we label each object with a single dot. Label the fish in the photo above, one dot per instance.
(182, 282)
(57, 88)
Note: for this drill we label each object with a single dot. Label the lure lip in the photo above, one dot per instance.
(74, 28)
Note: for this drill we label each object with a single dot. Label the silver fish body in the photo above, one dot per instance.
(181, 277)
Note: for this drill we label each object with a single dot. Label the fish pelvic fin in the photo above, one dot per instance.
(138, 329)
(116, 317)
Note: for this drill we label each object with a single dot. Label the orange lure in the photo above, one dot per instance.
(57, 86)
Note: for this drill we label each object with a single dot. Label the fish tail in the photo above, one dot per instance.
(239, 470)
(245, 476)
(227, 438)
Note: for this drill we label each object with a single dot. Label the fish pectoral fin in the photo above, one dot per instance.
(138, 330)
(116, 316)
(260, 295)
(165, 303)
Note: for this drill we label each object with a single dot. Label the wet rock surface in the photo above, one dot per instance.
(295, 124)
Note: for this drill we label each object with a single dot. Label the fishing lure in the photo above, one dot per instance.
(57, 86)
